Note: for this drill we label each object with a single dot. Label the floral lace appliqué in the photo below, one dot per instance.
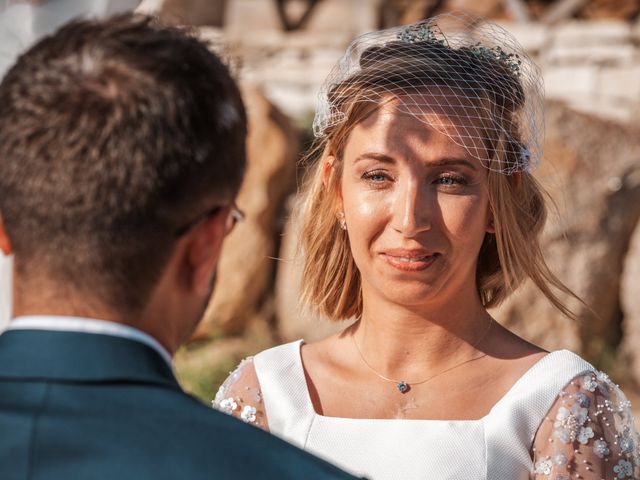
(601, 449)
(543, 466)
(624, 469)
(240, 396)
(248, 414)
(227, 405)
(589, 383)
(560, 459)
(569, 423)
(626, 442)
(588, 434)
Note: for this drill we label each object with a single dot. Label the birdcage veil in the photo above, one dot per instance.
(473, 67)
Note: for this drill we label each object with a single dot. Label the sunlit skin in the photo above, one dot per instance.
(176, 303)
(416, 207)
(417, 211)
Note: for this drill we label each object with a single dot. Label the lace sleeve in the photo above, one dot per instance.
(241, 397)
(589, 434)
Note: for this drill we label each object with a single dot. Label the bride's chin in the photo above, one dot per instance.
(405, 294)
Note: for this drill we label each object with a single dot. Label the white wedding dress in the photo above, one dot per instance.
(583, 418)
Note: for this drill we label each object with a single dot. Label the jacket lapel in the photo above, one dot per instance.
(80, 357)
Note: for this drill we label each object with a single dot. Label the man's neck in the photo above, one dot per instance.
(58, 310)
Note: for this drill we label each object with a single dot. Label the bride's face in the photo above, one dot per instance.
(415, 202)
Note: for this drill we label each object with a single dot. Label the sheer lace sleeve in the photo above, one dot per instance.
(241, 397)
(589, 434)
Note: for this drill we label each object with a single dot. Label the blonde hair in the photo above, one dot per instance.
(331, 284)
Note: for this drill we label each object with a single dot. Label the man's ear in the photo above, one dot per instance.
(202, 251)
(5, 243)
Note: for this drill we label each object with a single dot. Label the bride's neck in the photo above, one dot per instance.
(401, 338)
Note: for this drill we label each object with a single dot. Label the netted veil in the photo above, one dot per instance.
(471, 65)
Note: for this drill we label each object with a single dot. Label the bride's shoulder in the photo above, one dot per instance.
(589, 429)
(241, 394)
(319, 350)
(325, 356)
(283, 350)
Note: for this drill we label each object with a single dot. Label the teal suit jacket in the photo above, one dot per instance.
(88, 406)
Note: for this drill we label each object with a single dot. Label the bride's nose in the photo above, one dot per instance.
(412, 207)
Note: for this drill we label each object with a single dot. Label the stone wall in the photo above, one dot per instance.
(593, 66)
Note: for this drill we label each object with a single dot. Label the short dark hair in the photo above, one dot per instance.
(113, 134)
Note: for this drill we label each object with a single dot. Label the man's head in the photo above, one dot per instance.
(114, 136)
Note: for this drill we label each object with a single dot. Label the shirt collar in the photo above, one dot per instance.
(88, 325)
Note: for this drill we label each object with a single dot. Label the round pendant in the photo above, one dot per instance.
(403, 387)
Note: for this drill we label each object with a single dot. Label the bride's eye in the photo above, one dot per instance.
(451, 180)
(376, 176)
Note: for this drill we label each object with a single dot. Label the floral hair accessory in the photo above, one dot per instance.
(423, 32)
(458, 62)
(525, 158)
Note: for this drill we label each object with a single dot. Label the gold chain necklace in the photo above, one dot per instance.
(404, 386)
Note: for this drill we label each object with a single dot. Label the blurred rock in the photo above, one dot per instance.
(194, 12)
(593, 54)
(251, 17)
(246, 18)
(610, 9)
(484, 8)
(533, 37)
(591, 170)
(592, 33)
(570, 82)
(620, 81)
(417, 10)
(246, 268)
(630, 303)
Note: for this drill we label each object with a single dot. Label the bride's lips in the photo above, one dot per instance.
(409, 260)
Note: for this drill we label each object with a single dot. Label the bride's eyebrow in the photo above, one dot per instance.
(444, 162)
(380, 157)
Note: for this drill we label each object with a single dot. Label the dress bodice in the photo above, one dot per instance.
(494, 447)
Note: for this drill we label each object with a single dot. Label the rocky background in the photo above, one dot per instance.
(281, 51)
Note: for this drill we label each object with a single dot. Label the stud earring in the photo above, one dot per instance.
(342, 221)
